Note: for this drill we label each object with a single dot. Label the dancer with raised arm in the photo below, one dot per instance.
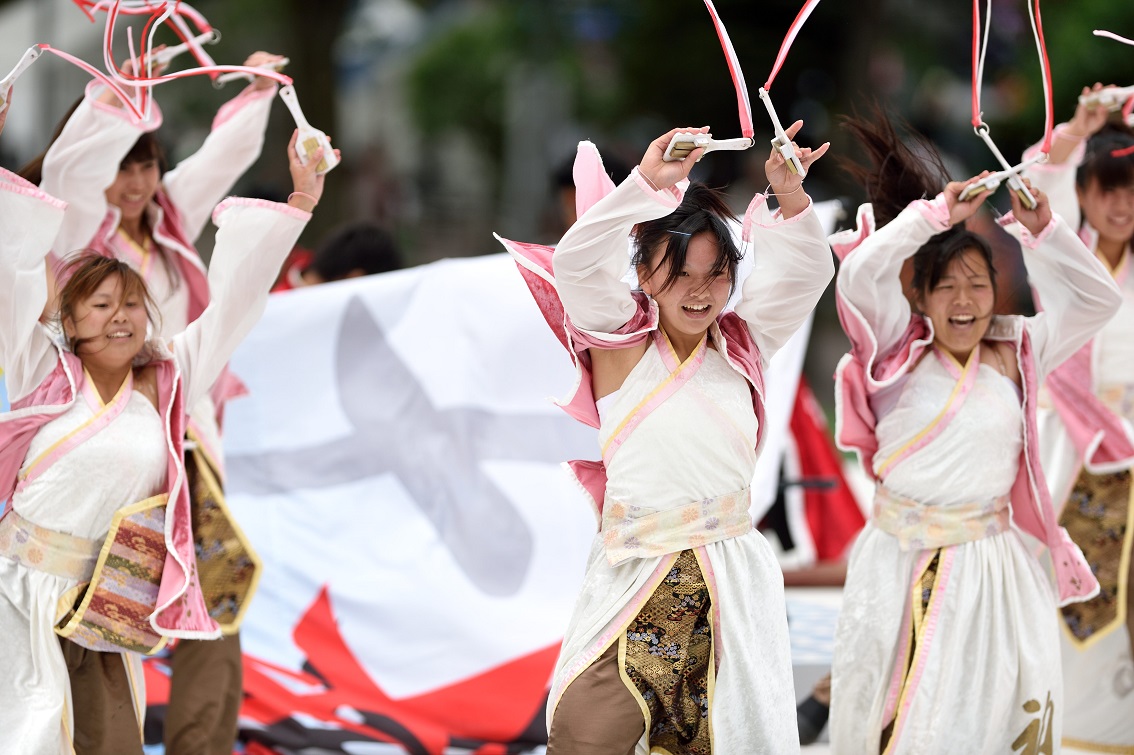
(947, 640)
(92, 461)
(123, 203)
(1085, 421)
(678, 642)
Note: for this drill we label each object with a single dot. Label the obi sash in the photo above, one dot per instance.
(633, 532)
(55, 553)
(636, 532)
(921, 527)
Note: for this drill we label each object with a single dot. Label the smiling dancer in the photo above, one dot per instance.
(947, 641)
(1087, 447)
(678, 642)
(123, 203)
(94, 427)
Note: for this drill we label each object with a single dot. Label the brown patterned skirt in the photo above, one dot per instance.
(668, 658)
(1097, 517)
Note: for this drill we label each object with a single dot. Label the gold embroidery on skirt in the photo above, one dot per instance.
(918, 610)
(668, 651)
(1036, 738)
(228, 568)
(1097, 517)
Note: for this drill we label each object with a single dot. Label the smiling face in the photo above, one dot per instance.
(134, 188)
(1109, 211)
(698, 294)
(960, 305)
(108, 327)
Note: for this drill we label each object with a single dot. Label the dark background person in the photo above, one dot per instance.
(350, 252)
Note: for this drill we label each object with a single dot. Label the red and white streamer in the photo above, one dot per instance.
(793, 32)
(980, 52)
(744, 105)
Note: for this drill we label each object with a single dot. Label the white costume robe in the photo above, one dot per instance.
(699, 444)
(984, 676)
(1098, 675)
(124, 462)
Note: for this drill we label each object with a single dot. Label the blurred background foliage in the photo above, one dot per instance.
(454, 115)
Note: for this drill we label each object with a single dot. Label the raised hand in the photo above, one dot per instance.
(664, 174)
(786, 185)
(307, 185)
(261, 59)
(960, 211)
(1034, 220)
(1088, 119)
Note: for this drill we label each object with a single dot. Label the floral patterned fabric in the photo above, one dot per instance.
(668, 652)
(1096, 516)
(634, 532)
(920, 527)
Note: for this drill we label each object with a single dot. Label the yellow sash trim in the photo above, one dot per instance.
(1082, 744)
(972, 363)
(143, 251)
(73, 622)
(672, 376)
(129, 381)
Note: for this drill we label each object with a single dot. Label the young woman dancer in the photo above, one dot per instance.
(98, 425)
(1087, 449)
(946, 641)
(124, 204)
(678, 642)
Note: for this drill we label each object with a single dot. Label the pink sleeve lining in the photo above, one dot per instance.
(15, 184)
(262, 203)
(936, 211)
(1028, 240)
(94, 89)
(670, 197)
(240, 101)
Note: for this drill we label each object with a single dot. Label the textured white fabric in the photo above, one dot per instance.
(123, 463)
(1114, 347)
(678, 454)
(988, 427)
(994, 648)
(1099, 679)
(714, 449)
(997, 603)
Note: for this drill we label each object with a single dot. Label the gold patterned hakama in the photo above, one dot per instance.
(1097, 516)
(666, 655)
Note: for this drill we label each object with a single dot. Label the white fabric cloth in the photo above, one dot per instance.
(700, 443)
(253, 238)
(988, 427)
(122, 463)
(990, 646)
(996, 603)
(676, 455)
(1098, 679)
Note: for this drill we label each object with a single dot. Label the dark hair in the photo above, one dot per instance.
(147, 147)
(359, 246)
(1100, 164)
(703, 210)
(899, 172)
(81, 275)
